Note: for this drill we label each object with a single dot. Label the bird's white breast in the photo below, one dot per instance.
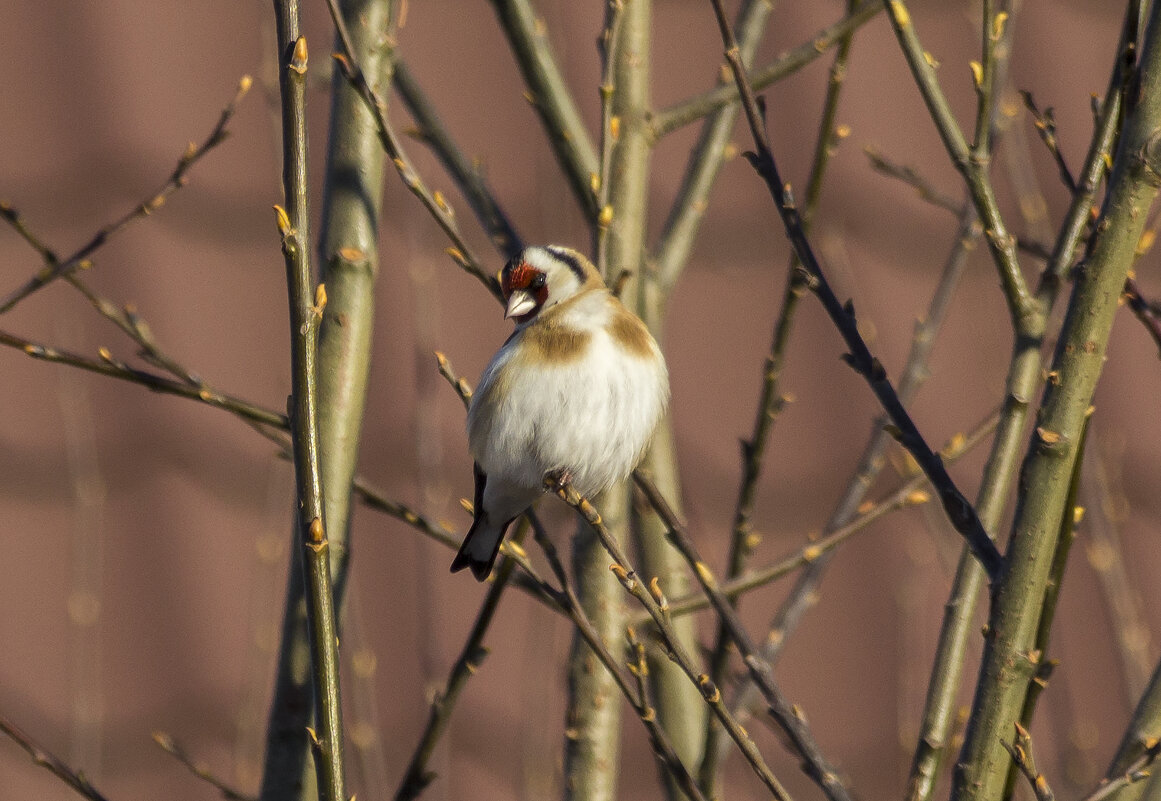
(591, 414)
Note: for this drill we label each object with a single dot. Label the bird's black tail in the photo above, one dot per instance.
(474, 556)
(477, 552)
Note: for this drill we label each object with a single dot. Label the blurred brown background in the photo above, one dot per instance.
(144, 536)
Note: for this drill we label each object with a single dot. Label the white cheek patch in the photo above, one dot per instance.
(563, 282)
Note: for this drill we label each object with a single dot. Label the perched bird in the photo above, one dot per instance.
(577, 389)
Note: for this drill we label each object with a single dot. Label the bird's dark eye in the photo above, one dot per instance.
(539, 281)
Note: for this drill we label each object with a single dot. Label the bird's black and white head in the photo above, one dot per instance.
(542, 276)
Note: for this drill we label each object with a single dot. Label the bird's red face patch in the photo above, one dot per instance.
(520, 275)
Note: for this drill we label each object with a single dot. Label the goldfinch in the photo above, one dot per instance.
(577, 389)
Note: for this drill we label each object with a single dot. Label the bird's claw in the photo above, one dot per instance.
(557, 479)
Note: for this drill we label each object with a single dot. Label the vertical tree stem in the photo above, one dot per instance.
(349, 263)
(306, 306)
(679, 705)
(593, 727)
(1047, 469)
(1023, 375)
(706, 158)
(591, 757)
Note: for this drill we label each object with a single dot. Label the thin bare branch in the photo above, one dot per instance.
(54, 268)
(959, 511)
(1021, 750)
(435, 203)
(110, 366)
(635, 694)
(968, 162)
(49, 762)
(771, 399)
(178, 752)
(788, 717)
(469, 177)
(552, 99)
(911, 493)
(307, 302)
(629, 579)
(680, 114)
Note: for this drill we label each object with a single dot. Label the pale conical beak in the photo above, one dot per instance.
(520, 303)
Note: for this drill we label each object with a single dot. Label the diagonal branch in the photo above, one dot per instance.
(636, 695)
(55, 268)
(468, 177)
(771, 400)
(959, 511)
(172, 747)
(972, 164)
(550, 97)
(787, 716)
(912, 493)
(658, 612)
(49, 762)
(669, 119)
(434, 202)
(109, 366)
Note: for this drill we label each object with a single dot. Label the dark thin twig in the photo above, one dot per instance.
(434, 202)
(629, 579)
(1045, 123)
(910, 176)
(929, 192)
(1145, 311)
(174, 749)
(669, 119)
(567, 598)
(54, 268)
(771, 399)
(469, 177)
(959, 511)
(551, 98)
(46, 760)
(787, 716)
